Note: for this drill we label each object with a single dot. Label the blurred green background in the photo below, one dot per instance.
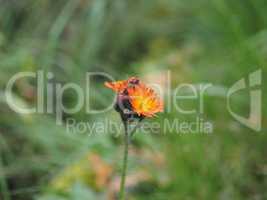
(199, 41)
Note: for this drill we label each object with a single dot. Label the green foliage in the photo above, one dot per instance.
(217, 41)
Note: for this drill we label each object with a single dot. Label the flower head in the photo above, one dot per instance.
(120, 86)
(144, 101)
(135, 99)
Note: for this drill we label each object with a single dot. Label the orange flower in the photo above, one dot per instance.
(120, 86)
(144, 101)
(136, 97)
(117, 86)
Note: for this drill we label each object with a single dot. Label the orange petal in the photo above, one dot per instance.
(117, 86)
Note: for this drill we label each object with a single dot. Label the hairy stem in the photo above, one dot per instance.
(125, 162)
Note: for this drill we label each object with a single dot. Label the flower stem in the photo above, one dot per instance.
(125, 162)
